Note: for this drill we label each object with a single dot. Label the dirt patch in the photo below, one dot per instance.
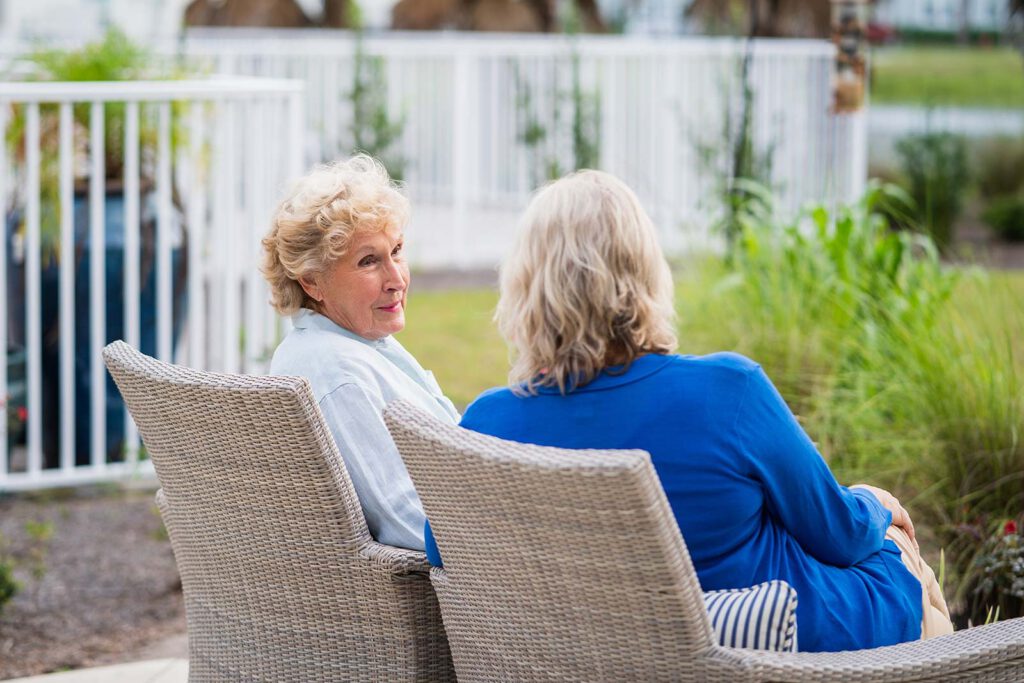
(109, 585)
(439, 280)
(976, 243)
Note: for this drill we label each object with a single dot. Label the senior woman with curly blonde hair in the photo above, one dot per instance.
(587, 307)
(335, 263)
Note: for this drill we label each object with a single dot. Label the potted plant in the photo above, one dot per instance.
(114, 58)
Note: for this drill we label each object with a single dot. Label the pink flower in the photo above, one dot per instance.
(1010, 527)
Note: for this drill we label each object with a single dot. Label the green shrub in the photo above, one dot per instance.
(113, 58)
(905, 372)
(999, 167)
(994, 553)
(8, 586)
(547, 135)
(935, 165)
(1006, 216)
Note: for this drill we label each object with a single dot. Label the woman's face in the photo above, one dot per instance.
(364, 291)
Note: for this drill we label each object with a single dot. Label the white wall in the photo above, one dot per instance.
(143, 20)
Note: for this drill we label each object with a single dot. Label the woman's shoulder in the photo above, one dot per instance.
(491, 402)
(327, 359)
(492, 396)
(721, 363)
(312, 345)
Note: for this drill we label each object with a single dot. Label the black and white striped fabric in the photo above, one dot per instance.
(762, 617)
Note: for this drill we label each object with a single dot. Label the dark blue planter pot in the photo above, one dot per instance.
(114, 303)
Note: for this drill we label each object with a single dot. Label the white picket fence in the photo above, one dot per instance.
(219, 151)
(666, 109)
(207, 159)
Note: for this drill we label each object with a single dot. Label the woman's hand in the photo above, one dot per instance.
(900, 517)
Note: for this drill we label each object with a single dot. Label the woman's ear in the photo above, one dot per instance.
(311, 288)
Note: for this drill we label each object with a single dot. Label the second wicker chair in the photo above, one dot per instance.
(569, 566)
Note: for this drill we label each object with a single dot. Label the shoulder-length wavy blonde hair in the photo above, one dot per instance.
(586, 285)
(314, 225)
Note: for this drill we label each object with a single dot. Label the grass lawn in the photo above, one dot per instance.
(451, 333)
(950, 76)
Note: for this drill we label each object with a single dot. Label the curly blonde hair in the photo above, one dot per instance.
(586, 285)
(314, 225)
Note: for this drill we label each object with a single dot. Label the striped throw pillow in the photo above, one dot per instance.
(762, 617)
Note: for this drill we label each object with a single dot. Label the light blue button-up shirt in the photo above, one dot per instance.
(353, 379)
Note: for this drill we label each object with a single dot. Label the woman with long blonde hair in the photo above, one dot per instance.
(587, 308)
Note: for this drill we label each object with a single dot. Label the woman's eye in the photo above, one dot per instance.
(397, 250)
(367, 261)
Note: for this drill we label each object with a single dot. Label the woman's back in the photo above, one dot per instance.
(753, 498)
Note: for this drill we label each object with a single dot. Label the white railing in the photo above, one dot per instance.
(203, 162)
(663, 106)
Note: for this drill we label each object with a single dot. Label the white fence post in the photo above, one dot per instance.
(97, 284)
(33, 295)
(4, 397)
(67, 289)
(462, 155)
(132, 285)
(197, 179)
(164, 227)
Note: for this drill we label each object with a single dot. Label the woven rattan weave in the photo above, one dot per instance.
(569, 566)
(282, 580)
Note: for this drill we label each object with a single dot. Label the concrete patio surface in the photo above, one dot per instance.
(151, 671)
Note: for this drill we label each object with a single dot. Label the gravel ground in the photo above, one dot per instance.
(110, 586)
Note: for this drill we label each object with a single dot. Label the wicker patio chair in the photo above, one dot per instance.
(568, 565)
(282, 580)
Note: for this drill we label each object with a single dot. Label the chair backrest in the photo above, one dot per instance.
(560, 564)
(282, 580)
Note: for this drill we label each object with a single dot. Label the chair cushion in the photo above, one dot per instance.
(762, 617)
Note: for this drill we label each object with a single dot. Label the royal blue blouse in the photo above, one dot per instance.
(753, 497)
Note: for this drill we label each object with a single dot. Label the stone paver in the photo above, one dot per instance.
(152, 671)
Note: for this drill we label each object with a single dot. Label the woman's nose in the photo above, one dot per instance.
(394, 277)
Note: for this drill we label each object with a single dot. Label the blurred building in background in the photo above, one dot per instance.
(944, 16)
(149, 20)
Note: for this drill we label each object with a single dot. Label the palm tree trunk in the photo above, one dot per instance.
(336, 14)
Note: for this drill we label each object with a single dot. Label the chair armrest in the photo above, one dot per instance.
(165, 510)
(996, 649)
(395, 561)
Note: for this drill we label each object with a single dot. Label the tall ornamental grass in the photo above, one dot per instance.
(908, 373)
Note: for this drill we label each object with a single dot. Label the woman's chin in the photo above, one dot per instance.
(394, 326)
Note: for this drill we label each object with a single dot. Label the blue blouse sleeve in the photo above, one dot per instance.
(433, 554)
(832, 523)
